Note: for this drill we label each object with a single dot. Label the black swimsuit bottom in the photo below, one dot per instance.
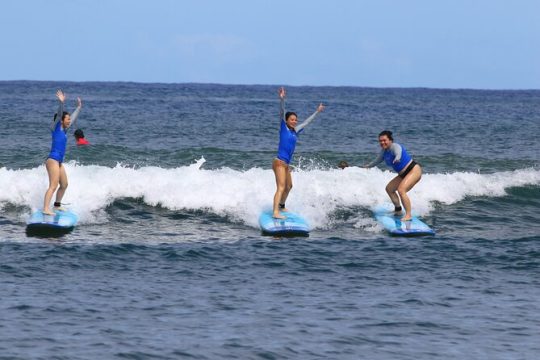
(408, 169)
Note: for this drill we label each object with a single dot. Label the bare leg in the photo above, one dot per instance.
(280, 171)
(288, 187)
(63, 185)
(406, 185)
(53, 170)
(391, 189)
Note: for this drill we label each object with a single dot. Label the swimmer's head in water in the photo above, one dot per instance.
(343, 164)
(78, 134)
(291, 119)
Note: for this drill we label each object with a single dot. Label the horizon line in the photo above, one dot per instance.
(277, 85)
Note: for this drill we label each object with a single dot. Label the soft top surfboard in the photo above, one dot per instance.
(393, 224)
(61, 222)
(293, 225)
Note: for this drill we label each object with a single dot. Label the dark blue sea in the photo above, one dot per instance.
(168, 262)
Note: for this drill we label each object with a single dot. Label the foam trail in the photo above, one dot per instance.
(241, 195)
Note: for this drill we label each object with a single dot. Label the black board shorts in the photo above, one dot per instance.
(408, 169)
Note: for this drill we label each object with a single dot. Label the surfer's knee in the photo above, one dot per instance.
(402, 191)
(390, 189)
(280, 188)
(64, 186)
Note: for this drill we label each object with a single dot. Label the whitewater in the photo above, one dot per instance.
(242, 195)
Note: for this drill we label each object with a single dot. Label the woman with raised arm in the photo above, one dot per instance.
(55, 169)
(288, 134)
(409, 172)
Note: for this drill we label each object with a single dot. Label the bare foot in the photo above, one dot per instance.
(279, 216)
(406, 218)
(48, 212)
(59, 208)
(284, 210)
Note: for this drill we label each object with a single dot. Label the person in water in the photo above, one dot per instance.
(55, 169)
(79, 138)
(343, 164)
(288, 134)
(409, 172)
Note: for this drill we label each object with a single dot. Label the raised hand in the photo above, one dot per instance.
(60, 95)
(320, 108)
(79, 102)
(282, 93)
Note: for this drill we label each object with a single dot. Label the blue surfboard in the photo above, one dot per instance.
(395, 226)
(60, 223)
(293, 225)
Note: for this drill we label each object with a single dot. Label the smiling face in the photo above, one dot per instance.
(66, 121)
(385, 142)
(291, 121)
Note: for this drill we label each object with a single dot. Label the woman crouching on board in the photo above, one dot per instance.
(55, 169)
(409, 172)
(288, 134)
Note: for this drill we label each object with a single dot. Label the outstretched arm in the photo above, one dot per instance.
(377, 160)
(61, 98)
(320, 108)
(282, 93)
(75, 114)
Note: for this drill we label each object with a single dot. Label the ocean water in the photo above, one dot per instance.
(168, 261)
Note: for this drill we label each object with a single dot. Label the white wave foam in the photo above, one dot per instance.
(242, 195)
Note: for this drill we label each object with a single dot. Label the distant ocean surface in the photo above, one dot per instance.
(168, 261)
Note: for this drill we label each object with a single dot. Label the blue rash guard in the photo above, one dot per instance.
(59, 137)
(396, 151)
(390, 156)
(288, 137)
(58, 146)
(287, 142)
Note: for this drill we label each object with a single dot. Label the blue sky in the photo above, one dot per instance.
(481, 44)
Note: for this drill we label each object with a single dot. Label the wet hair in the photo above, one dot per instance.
(387, 133)
(78, 134)
(288, 114)
(64, 114)
(343, 164)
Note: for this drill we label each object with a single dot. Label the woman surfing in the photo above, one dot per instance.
(409, 172)
(55, 169)
(288, 135)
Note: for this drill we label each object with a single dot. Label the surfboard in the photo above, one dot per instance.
(395, 226)
(60, 223)
(293, 225)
